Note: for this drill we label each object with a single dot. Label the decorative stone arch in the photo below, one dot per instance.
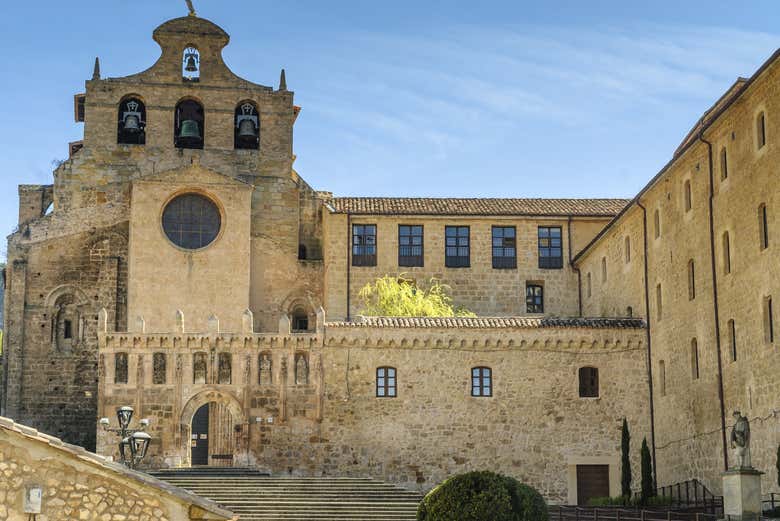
(65, 311)
(231, 404)
(300, 301)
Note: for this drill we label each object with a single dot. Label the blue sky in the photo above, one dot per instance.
(456, 98)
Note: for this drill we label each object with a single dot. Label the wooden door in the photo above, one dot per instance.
(200, 436)
(592, 481)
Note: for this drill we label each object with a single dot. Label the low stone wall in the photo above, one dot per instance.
(77, 485)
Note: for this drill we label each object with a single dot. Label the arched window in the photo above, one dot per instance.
(760, 130)
(247, 126)
(763, 227)
(589, 382)
(66, 322)
(189, 125)
(724, 164)
(120, 368)
(300, 320)
(629, 311)
(726, 253)
(694, 359)
(481, 381)
(225, 368)
(657, 223)
(627, 247)
(264, 369)
(687, 195)
(199, 368)
(301, 369)
(691, 280)
(190, 64)
(132, 122)
(386, 382)
(159, 363)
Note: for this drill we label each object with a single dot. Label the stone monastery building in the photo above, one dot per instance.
(187, 269)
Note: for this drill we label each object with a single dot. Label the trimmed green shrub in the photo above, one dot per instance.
(482, 496)
(626, 501)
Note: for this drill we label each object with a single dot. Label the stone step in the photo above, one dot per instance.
(254, 496)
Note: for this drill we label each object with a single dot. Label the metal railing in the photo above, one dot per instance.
(691, 494)
(580, 513)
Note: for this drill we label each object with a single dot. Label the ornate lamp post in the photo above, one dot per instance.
(133, 443)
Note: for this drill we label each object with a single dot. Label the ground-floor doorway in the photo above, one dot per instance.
(592, 481)
(212, 438)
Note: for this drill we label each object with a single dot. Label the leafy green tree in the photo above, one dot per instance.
(625, 463)
(401, 297)
(647, 473)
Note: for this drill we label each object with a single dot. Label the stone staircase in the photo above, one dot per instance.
(257, 496)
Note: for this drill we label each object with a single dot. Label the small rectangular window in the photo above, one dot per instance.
(769, 326)
(657, 224)
(694, 359)
(733, 340)
(67, 332)
(691, 280)
(589, 382)
(763, 227)
(410, 245)
(364, 245)
(534, 298)
(726, 253)
(504, 247)
(688, 196)
(457, 252)
(79, 107)
(724, 164)
(550, 247)
(658, 301)
(386, 386)
(481, 381)
(589, 286)
(662, 377)
(761, 130)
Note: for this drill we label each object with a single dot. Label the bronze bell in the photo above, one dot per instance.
(131, 124)
(191, 65)
(189, 129)
(246, 129)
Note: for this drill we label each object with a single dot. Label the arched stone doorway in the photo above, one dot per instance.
(214, 429)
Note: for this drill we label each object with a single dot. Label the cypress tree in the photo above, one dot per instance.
(625, 463)
(647, 472)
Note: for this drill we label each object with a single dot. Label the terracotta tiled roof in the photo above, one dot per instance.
(492, 322)
(90, 458)
(466, 206)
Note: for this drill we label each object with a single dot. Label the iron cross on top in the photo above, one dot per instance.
(190, 7)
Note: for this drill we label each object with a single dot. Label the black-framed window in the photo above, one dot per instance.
(386, 385)
(457, 252)
(589, 382)
(534, 298)
(364, 244)
(481, 381)
(410, 245)
(504, 247)
(550, 247)
(761, 130)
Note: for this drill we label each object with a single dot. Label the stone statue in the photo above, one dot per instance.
(740, 441)
(190, 7)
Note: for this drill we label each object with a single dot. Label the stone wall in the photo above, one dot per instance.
(79, 485)
(535, 426)
(687, 407)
